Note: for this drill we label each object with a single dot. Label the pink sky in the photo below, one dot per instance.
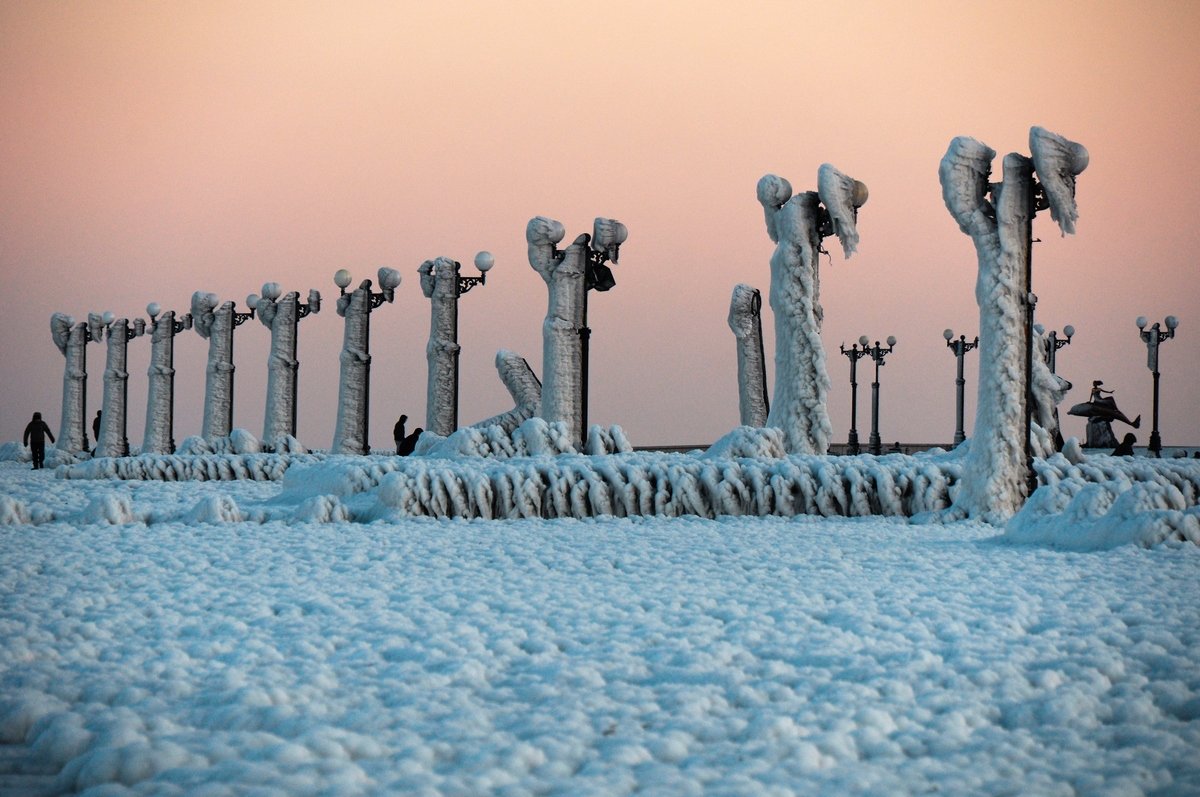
(155, 149)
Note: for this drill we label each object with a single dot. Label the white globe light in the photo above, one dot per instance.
(948, 334)
(153, 309)
(1172, 322)
(271, 290)
(859, 198)
(341, 278)
(389, 278)
(863, 341)
(1141, 322)
(252, 301)
(108, 317)
(891, 340)
(484, 261)
(1069, 331)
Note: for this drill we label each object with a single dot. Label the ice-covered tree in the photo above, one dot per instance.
(281, 315)
(354, 384)
(113, 440)
(745, 319)
(999, 219)
(71, 339)
(160, 401)
(797, 224)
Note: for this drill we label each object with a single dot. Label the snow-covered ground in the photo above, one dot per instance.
(152, 643)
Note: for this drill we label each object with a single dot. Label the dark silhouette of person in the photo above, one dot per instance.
(96, 427)
(398, 433)
(1125, 447)
(408, 444)
(35, 437)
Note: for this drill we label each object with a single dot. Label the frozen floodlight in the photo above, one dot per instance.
(389, 279)
(1172, 322)
(1141, 322)
(341, 278)
(484, 262)
(271, 290)
(948, 334)
(891, 340)
(859, 198)
(108, 317)
(153, 309)
(1069, 331)
(252, 301)
(863, 341)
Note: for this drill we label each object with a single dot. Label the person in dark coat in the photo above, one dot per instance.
(35, 437)
(96, 427)
(398, 432)
(1125, 447)
(409, 444)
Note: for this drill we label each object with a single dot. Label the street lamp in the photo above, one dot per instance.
(354, 387)
(442, 283)
(113, 440)
(854, 353)
(71, 339)
(1152, 337)
(960, 347)
(607, 237)
(1057, 343)
(216, 320)
(160, 403)
(878, 353)
(281, 313)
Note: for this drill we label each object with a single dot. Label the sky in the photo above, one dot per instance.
(151, 150)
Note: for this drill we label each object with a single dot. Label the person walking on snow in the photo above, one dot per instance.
(35, 437)
(398, 432)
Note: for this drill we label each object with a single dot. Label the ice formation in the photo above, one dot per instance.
(533, 438)
(160, 402)
(71, 339)
(214, 321)
(113, 440)
(439, 283)
(523, 385)
(745, 319)
(188, 467)
(995, 486)
(282, 316)
(354, 385)
(1049, 389)
(797, 224)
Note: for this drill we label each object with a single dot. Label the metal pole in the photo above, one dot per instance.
(960, 350)
(585, 336)
(852, 442)
(875, 442)
(366, 418)
(455, 350)
(1155, 440)
(229, 409)
(756, 308)
(295, 368)
(1030, 209)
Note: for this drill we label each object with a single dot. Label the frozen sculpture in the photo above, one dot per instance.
(797, 224)
(72, 339)
(160, 402)
(997, 468)
(281, 314)
(216, 321)
(113, 440)
(354, 385)
(442, 285)
(569, 275)
(522, 385)
(745, 319)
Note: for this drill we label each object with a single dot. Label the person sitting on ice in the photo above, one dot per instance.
(1125, 447)
(409, 444)
(35, 437)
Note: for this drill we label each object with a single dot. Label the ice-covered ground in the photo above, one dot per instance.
(152, 643)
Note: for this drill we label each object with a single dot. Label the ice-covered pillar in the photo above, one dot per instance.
(215, 321)
(72, 339)
(282, 316)
(113, 440)
(745, 319)
(160, 402)
(523, 386)
(994, 482)
(797, 224)
(354, 385)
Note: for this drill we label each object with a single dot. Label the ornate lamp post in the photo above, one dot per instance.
(1056, 343)
(216, 320)
(607, 237)
(160, 403)
(1152, 337)
(442, 283)
(281, 314)
(854, 353)
(960, 347)
(72, 338)
(354, 387)
(878, 353)
(113, 440)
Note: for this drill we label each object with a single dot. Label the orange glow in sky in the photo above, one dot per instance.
(154, 149)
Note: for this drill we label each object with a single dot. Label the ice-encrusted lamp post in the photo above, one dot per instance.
(877, 353)
(113, 440)
(1054, 343)
(855, 354)
(745, 319)
(281, 313)
(960, 347)
(216, 320)
(160, 402)
(1152, 337)
(354, 385)
(71, 339)
(442, 284)
(569, 275)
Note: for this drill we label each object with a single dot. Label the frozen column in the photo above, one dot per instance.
(216, 321)
(745, 319)
(160, 401)
(354, 386)
(72, 339)
(282, 316)
(522, 385)
(797, 224)
(997, 471)
(113, 440)
(442, 285)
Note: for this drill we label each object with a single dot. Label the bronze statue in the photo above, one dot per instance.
(1101, 410)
